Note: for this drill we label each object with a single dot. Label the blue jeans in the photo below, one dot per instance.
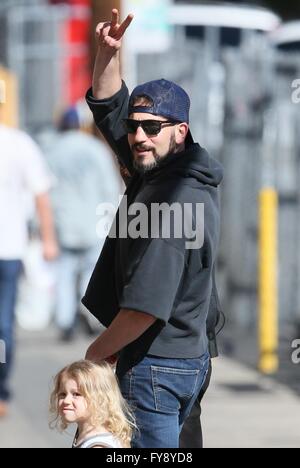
(74, 269)
(9, 274)
(161, 392)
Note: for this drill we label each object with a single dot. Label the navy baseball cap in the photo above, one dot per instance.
(167, 100)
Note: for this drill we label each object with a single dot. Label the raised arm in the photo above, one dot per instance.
(107, 76)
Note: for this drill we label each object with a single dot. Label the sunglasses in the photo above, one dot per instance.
(150, 127)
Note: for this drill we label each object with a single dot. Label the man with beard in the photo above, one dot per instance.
(153, 291)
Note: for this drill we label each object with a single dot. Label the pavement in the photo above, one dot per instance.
(242, 409)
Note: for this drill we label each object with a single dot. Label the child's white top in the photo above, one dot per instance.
(106, 439)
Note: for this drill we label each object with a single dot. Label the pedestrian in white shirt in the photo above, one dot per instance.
(22, 171)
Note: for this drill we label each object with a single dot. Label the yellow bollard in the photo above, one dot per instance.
(268, 281)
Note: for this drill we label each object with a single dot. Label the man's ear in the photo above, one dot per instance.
(182, 131)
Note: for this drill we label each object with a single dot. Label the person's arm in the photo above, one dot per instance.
(106, 77)
(124, 329)
(47, 231)
(108, 96)
(142, 307)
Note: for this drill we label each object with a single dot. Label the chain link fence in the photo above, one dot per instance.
(34, 46)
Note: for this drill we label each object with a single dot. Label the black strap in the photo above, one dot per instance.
(214, 316)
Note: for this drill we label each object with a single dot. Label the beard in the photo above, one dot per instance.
(143, 168)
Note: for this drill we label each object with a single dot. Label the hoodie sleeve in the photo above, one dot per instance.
(108, 115)
(152, 285)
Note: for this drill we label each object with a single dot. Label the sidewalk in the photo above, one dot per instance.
(240, 409)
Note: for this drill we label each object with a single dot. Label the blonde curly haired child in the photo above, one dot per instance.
(88, 394)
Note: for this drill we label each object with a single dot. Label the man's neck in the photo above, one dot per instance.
(179, 148)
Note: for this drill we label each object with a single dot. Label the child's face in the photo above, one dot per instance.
(72, 406)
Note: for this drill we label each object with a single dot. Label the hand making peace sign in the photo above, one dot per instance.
(110, 34)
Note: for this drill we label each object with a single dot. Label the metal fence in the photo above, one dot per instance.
(33, 46)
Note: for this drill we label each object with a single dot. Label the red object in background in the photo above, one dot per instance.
(76, 35)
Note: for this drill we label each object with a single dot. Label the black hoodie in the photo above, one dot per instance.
(159, 273)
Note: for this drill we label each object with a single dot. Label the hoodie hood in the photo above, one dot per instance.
(194, 162)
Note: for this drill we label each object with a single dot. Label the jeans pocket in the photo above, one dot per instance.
(172, 387)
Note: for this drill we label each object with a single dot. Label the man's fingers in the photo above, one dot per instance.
(115, 30)
(100, 27)
(111, 42)
(124, 25)
(114, 17)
